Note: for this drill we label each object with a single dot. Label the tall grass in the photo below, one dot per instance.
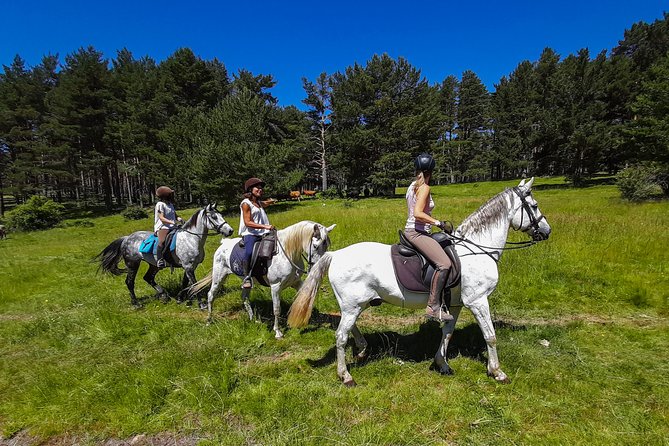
(79, 365)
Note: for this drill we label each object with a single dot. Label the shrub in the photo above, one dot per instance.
(641, 182)
(134, 213)
(35, 214)
(330, 193)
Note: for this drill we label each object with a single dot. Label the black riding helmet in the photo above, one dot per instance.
(424, 162)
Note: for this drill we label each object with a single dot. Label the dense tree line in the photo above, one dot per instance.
(91, 130)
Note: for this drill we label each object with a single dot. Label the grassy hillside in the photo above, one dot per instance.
(79, 365)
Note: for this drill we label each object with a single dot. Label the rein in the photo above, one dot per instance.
(207, 233)
(534, 222)
(308, 260)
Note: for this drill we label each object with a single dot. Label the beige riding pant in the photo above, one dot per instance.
(429, 248)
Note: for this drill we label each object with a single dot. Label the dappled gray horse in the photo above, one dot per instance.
(189, 251)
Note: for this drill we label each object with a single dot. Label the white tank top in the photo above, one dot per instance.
(411, 205)
(258, 215)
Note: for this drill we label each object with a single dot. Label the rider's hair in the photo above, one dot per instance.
(420, 180)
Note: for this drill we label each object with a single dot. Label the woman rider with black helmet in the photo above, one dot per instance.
(417, 230)
(253, 222)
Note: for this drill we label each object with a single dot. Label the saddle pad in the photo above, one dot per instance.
(149, 245)
(236, 265)
(408, 271)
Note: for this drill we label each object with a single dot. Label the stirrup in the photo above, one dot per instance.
(443, 315)
(247, 280)
(161, 263)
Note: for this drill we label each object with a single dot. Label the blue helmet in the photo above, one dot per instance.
(424, 162)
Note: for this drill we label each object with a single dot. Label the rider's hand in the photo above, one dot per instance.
(271, 227)
(445, 226)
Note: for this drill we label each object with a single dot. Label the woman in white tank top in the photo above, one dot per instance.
(253, 222)
(417, 230)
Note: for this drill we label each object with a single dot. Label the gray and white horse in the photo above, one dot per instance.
(189, 251)
(363, 272)
(304, 240)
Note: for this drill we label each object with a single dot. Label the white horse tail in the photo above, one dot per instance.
(198, 286)
(300, 312)
(110, 257)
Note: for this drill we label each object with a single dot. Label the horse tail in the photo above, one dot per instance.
(110, 256)
(198, 286)
(300, 312)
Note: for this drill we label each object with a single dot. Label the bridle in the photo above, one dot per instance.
(211, 222)
(308, 259)
(534, 221)
(535, 234)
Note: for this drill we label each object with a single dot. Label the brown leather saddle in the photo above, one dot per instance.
(414, 271)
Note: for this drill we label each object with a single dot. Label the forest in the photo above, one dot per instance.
(91, 131)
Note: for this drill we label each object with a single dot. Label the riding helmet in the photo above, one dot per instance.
(253, 182)
(424, 162)
(164, 192)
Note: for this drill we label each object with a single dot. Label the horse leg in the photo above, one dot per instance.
(149, 278)
(276, 307)
(188, 280)
(440, 359)
(481, 312)
(218, 276)
(360, 343)
(348, 317)
(130, 283)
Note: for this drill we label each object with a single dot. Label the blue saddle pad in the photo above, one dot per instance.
(149, 245)
(236, 259)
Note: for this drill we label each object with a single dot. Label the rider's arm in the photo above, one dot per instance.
(421, 202)
(267, 202)
(248, 221)
(161, 217)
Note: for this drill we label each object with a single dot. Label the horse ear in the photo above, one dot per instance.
(522, 183)
(213, 206)
(528, 185)
(317, 232)
(330, 228)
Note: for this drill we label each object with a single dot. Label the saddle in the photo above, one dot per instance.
(149, 247)
(414, 271)
(261, 259)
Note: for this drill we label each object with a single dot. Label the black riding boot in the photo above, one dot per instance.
(160, 262)
(435, 310)
(247, 281)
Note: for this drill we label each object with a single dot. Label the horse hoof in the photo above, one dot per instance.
(350, 383)
(501, 378)
(443, 369)
(362, 356)
(278, 335)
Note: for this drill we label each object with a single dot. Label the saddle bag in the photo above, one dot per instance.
(267, 247)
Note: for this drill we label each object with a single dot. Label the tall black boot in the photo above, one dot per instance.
(247, 282)
(160, 262)
(435, 310)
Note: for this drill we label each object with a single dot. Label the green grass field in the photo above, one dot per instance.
(79, 366)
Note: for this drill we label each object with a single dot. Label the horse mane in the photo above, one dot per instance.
(292, 238)
(489, 213)
(192, 221)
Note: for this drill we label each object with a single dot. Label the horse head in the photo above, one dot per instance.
(215, 221)
(527, 216)
(319, 243)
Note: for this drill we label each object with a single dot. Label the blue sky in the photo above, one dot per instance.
(291, 40)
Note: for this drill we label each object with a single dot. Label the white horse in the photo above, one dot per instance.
(304, 240)
(363, 272)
